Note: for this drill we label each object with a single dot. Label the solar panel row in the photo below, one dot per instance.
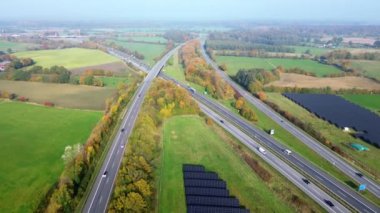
(205, 192)
(215, 192)
(341, 113)
(213, 209)
(201, 175)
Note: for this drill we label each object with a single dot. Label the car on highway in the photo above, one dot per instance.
(262, 150)
(122, 146)
(221, 121)
(105, 174)
(305, 180)
(329, 203)
(287, 151)
(122, 130)
(359, 174)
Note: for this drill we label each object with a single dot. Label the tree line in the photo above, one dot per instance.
(80, 160)
(135, 189)
(254, 79)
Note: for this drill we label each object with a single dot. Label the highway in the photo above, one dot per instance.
(326, 153)
(345, 193)
(102, 189)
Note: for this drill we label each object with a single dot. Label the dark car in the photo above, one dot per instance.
(359, 174)
(306, 180)
(329, 203)
(122, 130)
(221, 121)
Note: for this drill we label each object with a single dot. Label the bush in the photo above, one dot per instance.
(48, 104)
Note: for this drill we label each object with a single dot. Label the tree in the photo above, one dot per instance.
(135, 202)
(70, 153)
(262, 96)
(10, 51)
(376, 44)
(239, 103)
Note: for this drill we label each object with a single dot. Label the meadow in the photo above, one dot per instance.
(203, 146)
(15, 46)
(114, 82)
(157, 39)
(368, 68)
(234, 64)
(313, 50)
(150, 51)
(32, 141)
(62, 95)
(371, 102)
(70, 58)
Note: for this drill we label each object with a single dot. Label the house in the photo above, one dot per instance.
(3, 65)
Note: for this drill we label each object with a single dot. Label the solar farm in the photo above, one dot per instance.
(206, 192)
(341, 113)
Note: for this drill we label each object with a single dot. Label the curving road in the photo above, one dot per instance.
(102, 189)
(330, 156)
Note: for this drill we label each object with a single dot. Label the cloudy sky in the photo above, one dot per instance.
(192, 10)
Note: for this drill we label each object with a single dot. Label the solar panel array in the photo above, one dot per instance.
(207, 193)
(341, 113)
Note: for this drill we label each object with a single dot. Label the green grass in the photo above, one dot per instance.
(150, 51)
(70, 58)
(175, 70)
(32, 140)
(313, 50)
(371, 102)
(235, 63)
(114, 82)
(203, 146)
(146, 39)
(62, 95)
(335, 135)
(368, 68)
(15, 46)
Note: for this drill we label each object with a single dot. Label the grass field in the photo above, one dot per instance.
(235, 63)
(303, 81)
(313, 50)
(16, 47)
(145, 39)
(175, 70)
(32, 140)
(368, 68)
(371, 102)
(203, 146)
(150, 51)
(335, 135)
(70, 58)
(63, 95)
(113, 82)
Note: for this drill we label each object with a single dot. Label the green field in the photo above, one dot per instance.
(32, 141)
(70, 58)
(113, 82)
(16, 47)
(371, 102)
(63, 95)
(368, 68)
(313, 50)
(175, 70)
(146, 39)
(235, 63)
(203, 146)
(150, 51)
(370, 159)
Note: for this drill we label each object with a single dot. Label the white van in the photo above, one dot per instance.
(287, 151)
(262, 150)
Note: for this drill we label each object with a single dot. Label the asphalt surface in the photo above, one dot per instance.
(102, 189)
(326, 153)
(313, 173)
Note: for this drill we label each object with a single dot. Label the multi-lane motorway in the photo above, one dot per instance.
(331, 157)
(329, 183)
(102, 189)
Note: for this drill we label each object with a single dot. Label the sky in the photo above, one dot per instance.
(191, 10)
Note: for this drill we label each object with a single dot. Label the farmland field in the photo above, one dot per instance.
(335, 135)
(113, 82)
(303, 81)
(371, 102)
(150, 51)
(63, 95)
(205, 147)
(235, 63)
(15, 46)
(145, 39)
(368, 68)
(313, 50)
(70, 58)
(32, 140)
